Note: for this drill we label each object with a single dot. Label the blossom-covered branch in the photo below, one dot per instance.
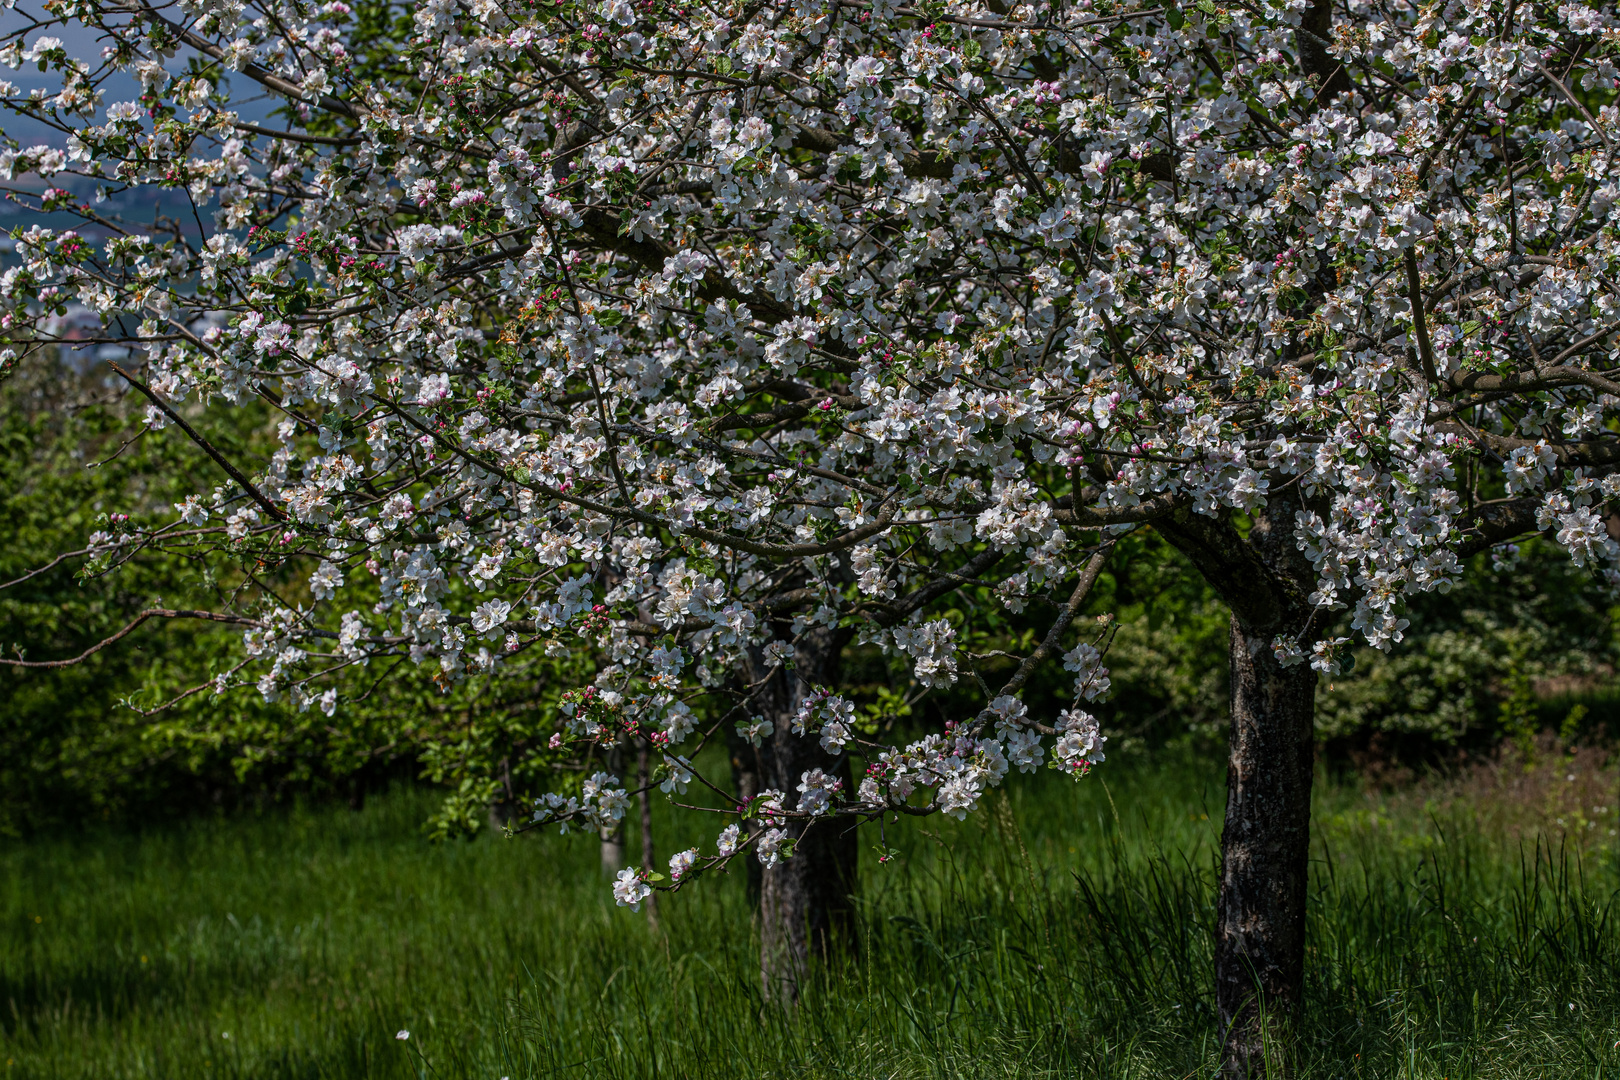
(688, 332)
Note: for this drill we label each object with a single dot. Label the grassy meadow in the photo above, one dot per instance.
(1466, 928)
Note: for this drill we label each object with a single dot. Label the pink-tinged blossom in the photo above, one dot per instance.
(680, 864)
(629, 890)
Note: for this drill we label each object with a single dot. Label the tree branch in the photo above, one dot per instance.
(219, 458)
(1065, 615)
(149, 613)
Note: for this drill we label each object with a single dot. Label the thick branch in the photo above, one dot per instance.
(1312, 40)
(1098, 517)
(253, 71)
(1549, 378)
(1496, 522)
(1587, 452)
(1420, 320)
(605, 230)
(915, 163)
(1262, 598)
(969, 570)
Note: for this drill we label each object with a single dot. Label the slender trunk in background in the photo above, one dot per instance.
(613, 837)
(806, 904)
(503, 807)
(613, 849)
(648, 856)
(1265, 842)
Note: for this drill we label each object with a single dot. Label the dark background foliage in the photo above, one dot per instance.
(1510, 652)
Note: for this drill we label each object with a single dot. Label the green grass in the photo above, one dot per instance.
(1065, 932)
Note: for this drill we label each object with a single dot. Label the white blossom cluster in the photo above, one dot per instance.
(933, 646)
(828, 715)
(601, 804)
(684, 335)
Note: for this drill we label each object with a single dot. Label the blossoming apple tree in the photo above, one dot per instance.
(715, 337)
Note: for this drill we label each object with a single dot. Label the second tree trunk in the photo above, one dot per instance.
(805, 901)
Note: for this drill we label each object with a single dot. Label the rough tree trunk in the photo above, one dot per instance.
(805, 901)
(1260, 911)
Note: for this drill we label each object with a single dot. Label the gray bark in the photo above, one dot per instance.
(613, 850)
(649, 856)
(613, 838)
